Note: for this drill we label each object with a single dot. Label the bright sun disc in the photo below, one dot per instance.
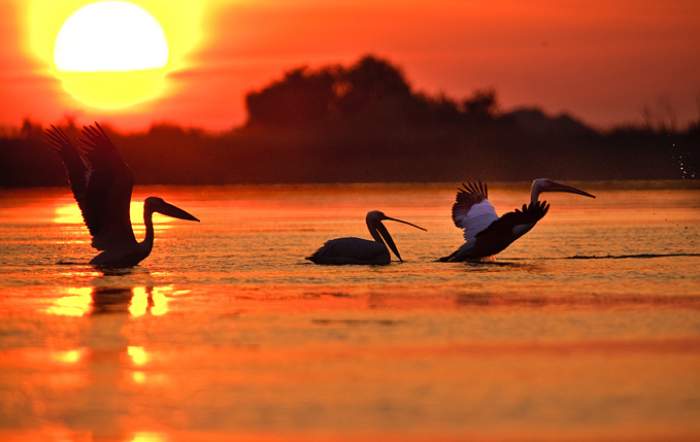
(110, 36)
(111, 55)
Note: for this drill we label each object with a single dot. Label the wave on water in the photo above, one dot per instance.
(63, 262)
(629, 256)
(634, 256)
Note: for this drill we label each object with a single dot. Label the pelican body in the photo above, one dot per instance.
(102, 184)
(487, 234)
(351, 250)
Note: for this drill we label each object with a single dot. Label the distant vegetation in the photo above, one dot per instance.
(365, 122)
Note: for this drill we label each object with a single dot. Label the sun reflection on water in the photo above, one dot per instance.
(160, 303)
(154, 300)
(139, 356)
(67, 214)
(139, 302)
(68, 356)
(77, 303)
(161, 299)
(139, 377)
(70, 214)
(148, 437)
(79, 273)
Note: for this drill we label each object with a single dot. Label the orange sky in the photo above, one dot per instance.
(600, 60)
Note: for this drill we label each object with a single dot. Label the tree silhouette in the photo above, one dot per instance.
(364, 122)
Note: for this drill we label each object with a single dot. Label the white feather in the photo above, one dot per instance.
(478, 218)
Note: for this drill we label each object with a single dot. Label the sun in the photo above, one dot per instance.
(110, 36)
(111, 55)
(115, 56)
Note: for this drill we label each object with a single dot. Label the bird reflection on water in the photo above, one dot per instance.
(107, 360)
(113, 290)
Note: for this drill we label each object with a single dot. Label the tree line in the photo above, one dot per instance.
(365, 123)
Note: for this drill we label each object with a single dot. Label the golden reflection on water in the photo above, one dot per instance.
(144, 378)
(79, 273)
(139, 356)
(148, 437)
(160, 303)
(109, 363)
(69, 213)
(77, 303)
(139, 377)
(137, 301)
(152, 299)
(68, 356)
(534, 346)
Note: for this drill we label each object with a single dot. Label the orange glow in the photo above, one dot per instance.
(600, 60)
(77, 303)
(268, 348)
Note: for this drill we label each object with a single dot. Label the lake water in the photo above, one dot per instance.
(587, 328)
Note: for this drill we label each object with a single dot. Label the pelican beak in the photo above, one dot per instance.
(175, 212)
(388, 240)
(388, 218)
(558, 187)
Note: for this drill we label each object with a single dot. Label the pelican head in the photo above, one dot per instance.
(381, 234)
(541, 185)
(156, 204)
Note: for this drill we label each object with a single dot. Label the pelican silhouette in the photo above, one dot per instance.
(102, 183)
(485, 234)
(352, 250)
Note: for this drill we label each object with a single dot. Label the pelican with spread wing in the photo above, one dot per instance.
(352, 250)
(102, 183)
(485, 233)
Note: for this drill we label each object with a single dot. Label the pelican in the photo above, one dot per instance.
(485, 233)
(101, 183)
(362, 251)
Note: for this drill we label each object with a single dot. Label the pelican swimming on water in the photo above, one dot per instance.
(485, 233)
(102, 183)
(362, 251)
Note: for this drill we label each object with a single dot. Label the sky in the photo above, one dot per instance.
(602, 61)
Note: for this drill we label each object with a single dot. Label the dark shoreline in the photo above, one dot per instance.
(366, 123)
(592, 184)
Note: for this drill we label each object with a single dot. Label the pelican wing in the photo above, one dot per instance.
(472, 211)
(101, 183)
(108, 193)
(519, 221)
(75, 167)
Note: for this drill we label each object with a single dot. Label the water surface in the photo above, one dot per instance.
(587, 328)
